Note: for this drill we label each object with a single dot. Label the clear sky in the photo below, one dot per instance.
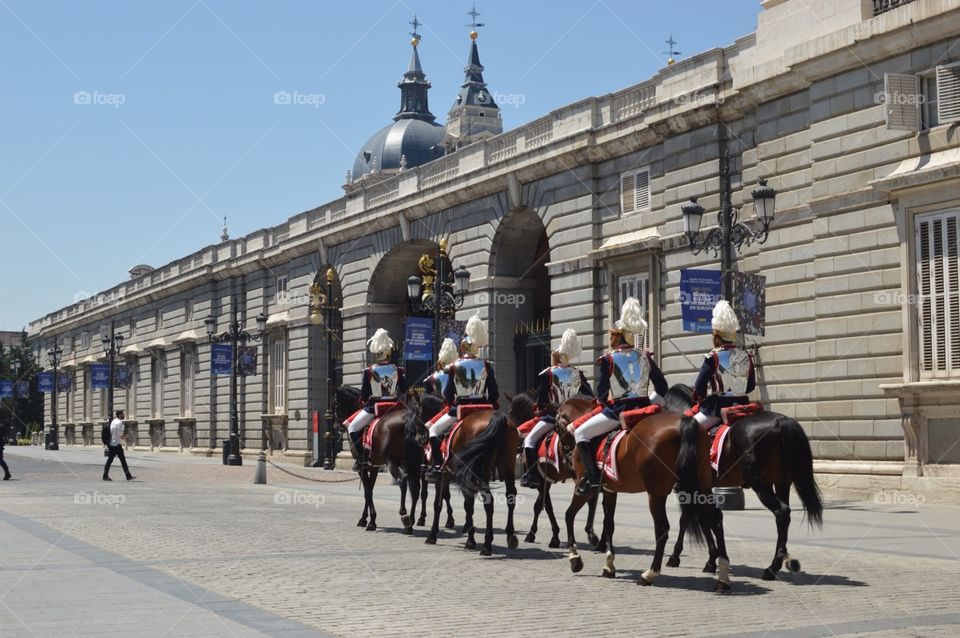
(130, 128)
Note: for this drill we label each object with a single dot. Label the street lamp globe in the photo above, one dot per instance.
(414, 287)
(764, 201)
(211, 325)
(119, 339)
(692, 216)
(461, 280)
(53, 355)
(261, 323)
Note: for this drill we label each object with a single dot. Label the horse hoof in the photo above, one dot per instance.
(576, 564)
(593, 538)
(609, 573)
(601, 548)
(710, 568)
(485, 551)
(512, 541)
(431, 540)
(673, 561)
(722, 587)
(768, 574)
(408, 531)
(793, 565)
(371, 527)
(407, 522)
(421, 521)
(530, 537)
(554, 543)
(362, 522)
(470, 544)
(643, 581)
(450, 524)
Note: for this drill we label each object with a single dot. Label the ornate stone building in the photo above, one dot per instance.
(848, 107)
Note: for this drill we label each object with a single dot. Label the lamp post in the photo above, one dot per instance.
(437, 292)
(15, 369)
(235, 336)
(321, 313)
(729, 235)
(53, 355)
(112, 342)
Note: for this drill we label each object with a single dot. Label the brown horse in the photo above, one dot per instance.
(767, 452)
(482, 448)
(647, 460)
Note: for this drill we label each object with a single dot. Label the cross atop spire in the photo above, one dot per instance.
(416, 24)
(672, 52)
(474, 25)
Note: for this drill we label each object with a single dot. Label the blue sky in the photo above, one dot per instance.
(129, 128)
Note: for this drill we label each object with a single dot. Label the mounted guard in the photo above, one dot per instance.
(559, 382)
(383, 382)
(727, 371)
(436, 383)
(470, 381)
(625, 376)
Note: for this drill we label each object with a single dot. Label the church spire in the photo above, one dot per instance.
(414, 85)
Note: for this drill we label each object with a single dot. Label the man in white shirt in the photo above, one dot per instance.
(115, 448)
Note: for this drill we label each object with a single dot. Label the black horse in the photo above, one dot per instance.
(767, 452)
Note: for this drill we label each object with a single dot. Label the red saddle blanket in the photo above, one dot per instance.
(463, 411)
(525, 427)
(381, 409)
(629, 418)
(607, 455)
(730, 416)
(549, 450)
(444, 444)
(583, 419)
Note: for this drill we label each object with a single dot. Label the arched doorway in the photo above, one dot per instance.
(519, 300)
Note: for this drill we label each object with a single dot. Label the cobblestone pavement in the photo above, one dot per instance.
(194, 548)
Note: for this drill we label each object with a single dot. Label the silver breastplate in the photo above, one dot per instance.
(383, 380)
(564, 383)
(470, 378)
(440, 378)
(733, 370)
(630, 375)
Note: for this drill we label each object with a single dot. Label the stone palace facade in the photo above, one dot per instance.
(848, 107)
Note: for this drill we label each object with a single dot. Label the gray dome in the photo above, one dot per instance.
(415, 139)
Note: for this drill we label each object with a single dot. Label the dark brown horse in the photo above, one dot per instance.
(769, 453)
(647, 460)
(481, 449)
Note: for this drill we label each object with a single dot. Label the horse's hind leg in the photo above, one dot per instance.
(576, 504)
(554, 526)
(661, 527)
(368, 488)
(537, 508)
(423, 500)
(407, 519)
(450, 524)
(591, 517)
(403, 497)
(674, 560)
(609, 510)
(487, 499)
(468, 528)
(437, 506)
(783, 492)
(366, 500)
(510, 488)
(781, 511)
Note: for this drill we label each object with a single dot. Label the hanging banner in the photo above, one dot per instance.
(122, 376)
(45, 382)
(750, 302)
(699, 293)
(221, 359)
(65, 381)
(418, 339)
(453, 329)
(247, 361)
(99, 376)
(22, 389)
(6, 389)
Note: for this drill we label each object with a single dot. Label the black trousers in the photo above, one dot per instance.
(116, 451)
(3, 464)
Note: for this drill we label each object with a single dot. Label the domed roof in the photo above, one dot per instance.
(416, 140)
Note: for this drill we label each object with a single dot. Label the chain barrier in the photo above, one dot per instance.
(313, 480)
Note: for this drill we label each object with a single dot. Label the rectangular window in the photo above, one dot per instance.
(188, 310)
(282, 295)
(87, 395)
(278, 373)
(187, 376)
(85, 339)
(156, 386)
(938, 287)
(69, 395)
(948, 93)
(158, 320)
(636, 286)
(635, 191)
(131, 392)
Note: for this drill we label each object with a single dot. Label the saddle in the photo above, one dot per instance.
(629, 418)
(549, 450)
(380, 410)
(463, 411)
(719, 433)
(524, 428)
(606, 455)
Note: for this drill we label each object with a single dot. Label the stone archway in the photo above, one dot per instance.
(519, 300)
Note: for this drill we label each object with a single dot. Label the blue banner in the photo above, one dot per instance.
(418, 342)
(221, 359)
(65, 381)
(247, 363)
(45, 381)
(6, 389)
(22, 389)
(99, 376)
(699, 293)
(750, 302)
(122, 376)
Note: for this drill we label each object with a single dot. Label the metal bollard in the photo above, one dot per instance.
(260, 475)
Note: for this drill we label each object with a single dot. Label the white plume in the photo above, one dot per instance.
(477, 332)
(448, 353)
(570, 345)
(725, 321)
(380, 341)
(631, 320)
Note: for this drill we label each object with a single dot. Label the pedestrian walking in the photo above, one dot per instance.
(3, 464)
(115, 448)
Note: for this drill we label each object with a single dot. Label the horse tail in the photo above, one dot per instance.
(691, 494)
(412, 449)
(798, 458)
(475, 461)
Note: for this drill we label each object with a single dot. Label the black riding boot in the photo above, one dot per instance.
(591, 475)
(436, 456)
(355, 438)
(532, 477)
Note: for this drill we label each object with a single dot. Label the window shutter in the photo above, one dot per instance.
(643, 190)
(902, 101)
(627, 193)
(636, 286)
(938, 287)
(948, 93)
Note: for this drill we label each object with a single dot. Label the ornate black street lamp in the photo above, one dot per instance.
(437, 292)
(321, 313)
(235, 336)
(53, 355)
(15, 369)
(112, 342)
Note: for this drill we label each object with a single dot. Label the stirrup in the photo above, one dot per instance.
(584, 486)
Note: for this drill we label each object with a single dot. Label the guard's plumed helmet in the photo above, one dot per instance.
(631, 324)
(569, 348)
(380, 343)
(448, 353)
(476, 335)
(725, 324)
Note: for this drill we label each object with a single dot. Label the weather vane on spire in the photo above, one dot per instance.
(672, 52)
(474, 25)
(416, 24)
